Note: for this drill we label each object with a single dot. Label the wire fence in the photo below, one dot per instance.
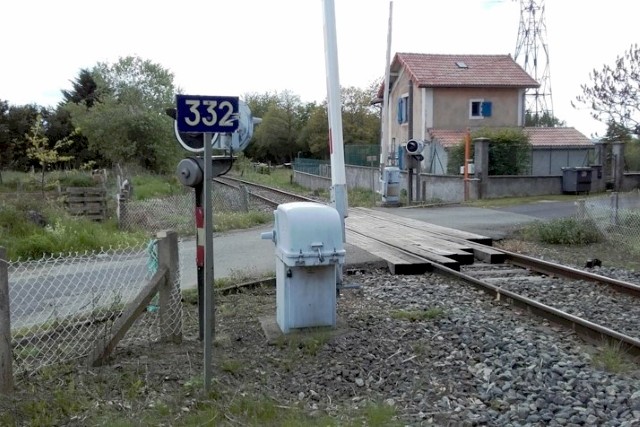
(60, 306)
(616, 216)
(176, 212)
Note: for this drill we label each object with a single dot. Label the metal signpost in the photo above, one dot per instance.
(207, 115)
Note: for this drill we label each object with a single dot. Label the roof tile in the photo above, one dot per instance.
(437, 70)
(538, 137)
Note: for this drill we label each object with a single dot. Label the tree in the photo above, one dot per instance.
(40, 150)
(4, 134)
(85, 90)
(15, 123)
(546, 120)
(277, 137)
(360, 120)
(128, 121)
(315, 132)
(614, 91)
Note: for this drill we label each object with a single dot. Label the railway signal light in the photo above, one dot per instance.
(414, 149)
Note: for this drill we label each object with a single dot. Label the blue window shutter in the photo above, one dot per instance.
(400, 104)
(486, 109)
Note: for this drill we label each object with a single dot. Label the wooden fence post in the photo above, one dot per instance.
(6, 368)
(170, 298)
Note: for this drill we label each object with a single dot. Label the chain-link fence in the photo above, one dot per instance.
(62, 306)
(616, 215)
(176, 212)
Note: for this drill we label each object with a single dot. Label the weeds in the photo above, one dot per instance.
(309, 342)
(563, 231)
(149, 186)
(613, 358)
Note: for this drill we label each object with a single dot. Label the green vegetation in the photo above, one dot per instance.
(310, 342)
(149, 186)
(62, 233)
(28, 182)
(283, 179)
(563, 231)
(612, 358)
(509, 151)
(240, 220)
(99, 399)
(418, 315)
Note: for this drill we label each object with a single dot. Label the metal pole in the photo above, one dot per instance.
(336, 143)
(6, 369)
(386, 121)
(199, 217)
(465, 165)
(208, 264)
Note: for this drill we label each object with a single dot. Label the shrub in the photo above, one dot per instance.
(509, 151)
(564, 231)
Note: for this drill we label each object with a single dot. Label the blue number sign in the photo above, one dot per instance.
(195, 113)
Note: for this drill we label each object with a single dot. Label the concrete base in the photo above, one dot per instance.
(388, 204)
(274, 335)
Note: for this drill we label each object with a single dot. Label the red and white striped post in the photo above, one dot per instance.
(200, 236)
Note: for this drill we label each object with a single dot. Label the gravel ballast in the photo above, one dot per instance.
(474, 361)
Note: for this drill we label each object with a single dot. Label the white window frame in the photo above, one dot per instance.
(479, 101)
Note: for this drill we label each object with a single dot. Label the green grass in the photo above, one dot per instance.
(62, 234)
(563, 231)
(240, 220)
(282, 179)
(278, 178)
(71, 400)
(612, 358)
(418, 315)
(309, 342)
(149, 186)
(31, 182)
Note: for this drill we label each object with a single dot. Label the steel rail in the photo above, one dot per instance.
(588, 330)
(553, 269)
(265, 187)
(264, 199)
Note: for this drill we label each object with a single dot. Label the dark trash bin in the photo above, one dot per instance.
(576, 179)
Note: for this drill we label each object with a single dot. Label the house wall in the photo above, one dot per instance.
(449, 108)
(452, 109)
(400, 132)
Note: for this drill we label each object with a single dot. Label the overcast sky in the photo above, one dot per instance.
(233, 47)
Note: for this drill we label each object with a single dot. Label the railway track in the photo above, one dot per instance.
(580, 300)
(577, 299)
(268, 196)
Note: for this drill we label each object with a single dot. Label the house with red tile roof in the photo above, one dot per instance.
(435, 98)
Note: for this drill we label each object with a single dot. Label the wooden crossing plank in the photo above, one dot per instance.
(398, 260)
(414, 223)
(417, 245)
(408, 245)
(411, 239)
(487, 254)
